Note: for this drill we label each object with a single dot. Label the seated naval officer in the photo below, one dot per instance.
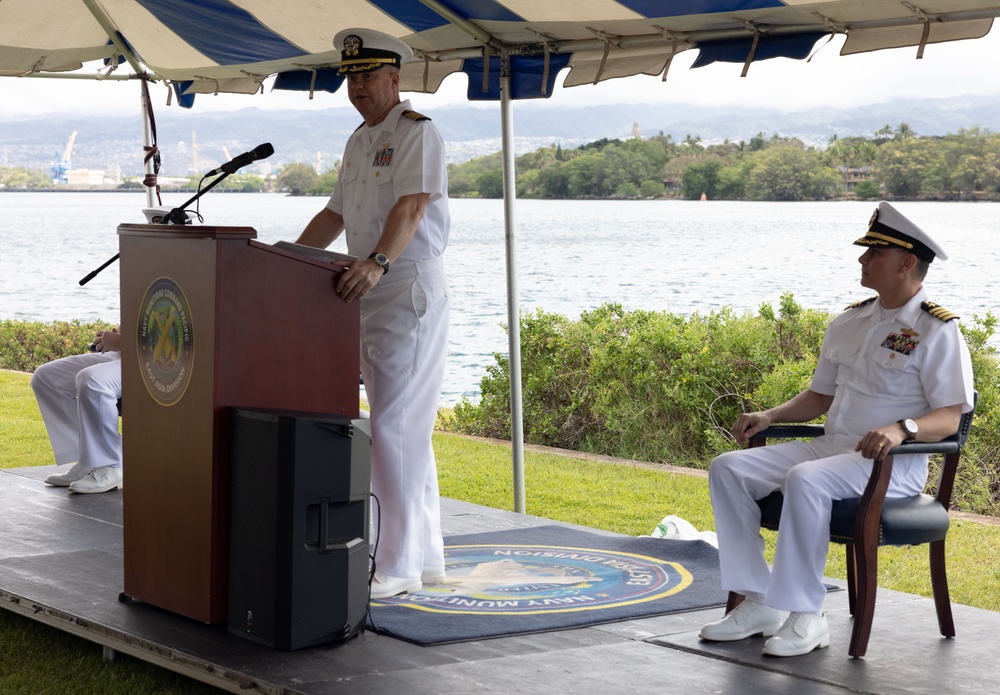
(892, 368)
(78, 397)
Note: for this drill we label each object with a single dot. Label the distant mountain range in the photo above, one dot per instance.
(113, 143)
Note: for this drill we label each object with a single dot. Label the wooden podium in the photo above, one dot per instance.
(212, 319)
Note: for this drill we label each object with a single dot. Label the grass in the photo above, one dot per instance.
(629, 499)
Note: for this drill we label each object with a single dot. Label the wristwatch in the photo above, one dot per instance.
(910, 427)
(381, 259)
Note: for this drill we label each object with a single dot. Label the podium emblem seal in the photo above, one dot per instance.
(165, 341)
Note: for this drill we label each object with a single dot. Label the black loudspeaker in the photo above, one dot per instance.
(298, 527)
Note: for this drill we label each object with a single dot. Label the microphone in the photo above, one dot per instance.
(241, 160)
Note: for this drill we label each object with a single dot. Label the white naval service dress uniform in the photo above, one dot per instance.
(78, 398)
(404, 329)
(880, 366)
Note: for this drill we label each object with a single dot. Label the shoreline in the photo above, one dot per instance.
(837, 199)
(95, 189)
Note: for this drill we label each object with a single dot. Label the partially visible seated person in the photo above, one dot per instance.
(892, 368)
(78, 397)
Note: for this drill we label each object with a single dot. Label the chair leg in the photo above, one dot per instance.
(939, 582)
(866, 558)
(734, 601)
(852, 578)
(866, 539)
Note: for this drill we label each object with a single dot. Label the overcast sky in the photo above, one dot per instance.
(947, 70)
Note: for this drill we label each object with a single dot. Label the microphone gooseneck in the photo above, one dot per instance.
(241, 160)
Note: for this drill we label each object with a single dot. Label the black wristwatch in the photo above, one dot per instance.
(910, 427)
(381, 259)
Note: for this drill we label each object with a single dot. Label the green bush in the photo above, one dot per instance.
(24, 345)
(867, 189)
(661, 387)
(977, 485)
(642, 384)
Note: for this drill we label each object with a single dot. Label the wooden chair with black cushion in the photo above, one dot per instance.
(863, 523)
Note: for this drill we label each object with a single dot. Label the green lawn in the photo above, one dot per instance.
(614, 496)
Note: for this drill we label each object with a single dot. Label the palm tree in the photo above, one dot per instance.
(904, 131)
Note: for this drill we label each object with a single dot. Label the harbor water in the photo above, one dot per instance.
(572, 256)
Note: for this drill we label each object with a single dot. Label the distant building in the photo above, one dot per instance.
(173, 181)
(84, 177)
(851, 176)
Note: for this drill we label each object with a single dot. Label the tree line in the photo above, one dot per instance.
(892, 162)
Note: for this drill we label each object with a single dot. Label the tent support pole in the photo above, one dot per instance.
(147, 142)
(513, 303)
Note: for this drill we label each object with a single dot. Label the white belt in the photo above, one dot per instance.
(410, 270)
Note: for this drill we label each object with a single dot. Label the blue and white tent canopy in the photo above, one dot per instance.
(234, 45)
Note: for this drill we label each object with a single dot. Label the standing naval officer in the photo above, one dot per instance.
(892, 368)
(391, 198)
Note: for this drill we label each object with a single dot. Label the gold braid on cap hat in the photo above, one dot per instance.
(366, 64)
(888, 239)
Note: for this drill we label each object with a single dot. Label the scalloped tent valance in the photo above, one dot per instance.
(209, 46)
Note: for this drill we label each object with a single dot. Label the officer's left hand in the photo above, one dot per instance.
(358, 279)
(108, 341)
(877, 443)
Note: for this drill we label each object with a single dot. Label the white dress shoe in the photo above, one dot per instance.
(384, 586)
(747, 619)
(99, 479)
(800, 634)
(69, 477)
(433, 574)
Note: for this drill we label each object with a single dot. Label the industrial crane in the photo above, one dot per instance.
(60, 168)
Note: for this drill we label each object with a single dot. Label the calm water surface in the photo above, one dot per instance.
(573, 256)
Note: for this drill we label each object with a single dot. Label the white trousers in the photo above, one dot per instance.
(404, 344)
(810, 474)
(78, 398)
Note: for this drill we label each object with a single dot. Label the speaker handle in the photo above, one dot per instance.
(345, 429)
(324, 524)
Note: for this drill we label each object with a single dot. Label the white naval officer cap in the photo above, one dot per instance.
(365, 50)
(888, 227)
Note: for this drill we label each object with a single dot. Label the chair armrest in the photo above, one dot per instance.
(790, 432)
(785, 432)
(948, 445)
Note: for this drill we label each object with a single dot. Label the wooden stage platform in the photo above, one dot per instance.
(61, 564)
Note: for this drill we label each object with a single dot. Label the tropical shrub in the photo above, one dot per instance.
(24, 345)
(643, 384)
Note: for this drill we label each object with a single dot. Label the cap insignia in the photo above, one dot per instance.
(352, 45)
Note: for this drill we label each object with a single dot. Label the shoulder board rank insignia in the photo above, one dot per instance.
(937, 311)
(863, 302)
(414, 116)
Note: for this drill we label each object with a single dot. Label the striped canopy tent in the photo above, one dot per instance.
(509, 49)
(234, 45)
